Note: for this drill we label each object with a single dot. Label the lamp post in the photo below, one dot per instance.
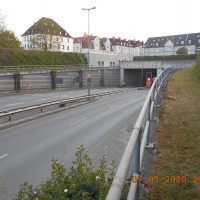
(89, 79)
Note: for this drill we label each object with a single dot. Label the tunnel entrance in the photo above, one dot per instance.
(137, 77)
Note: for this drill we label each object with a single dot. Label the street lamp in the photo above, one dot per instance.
(88, 9)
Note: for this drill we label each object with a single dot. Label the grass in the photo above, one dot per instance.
(179, 140)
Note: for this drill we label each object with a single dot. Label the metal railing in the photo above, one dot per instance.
(38, 67)
(135, 147)
(8, 114)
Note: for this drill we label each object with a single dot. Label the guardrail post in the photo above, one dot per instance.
(153, 100)
(156, 102)
(136, 164)
(148, 119)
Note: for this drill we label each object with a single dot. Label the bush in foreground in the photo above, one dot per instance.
(83, 181)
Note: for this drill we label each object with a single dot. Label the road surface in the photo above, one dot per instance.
(25, 150)
(23, 100)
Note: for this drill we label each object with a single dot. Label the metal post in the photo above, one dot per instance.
(59, 91)
(136, 164)
(148, 119)
(88, 9)
(88, 51)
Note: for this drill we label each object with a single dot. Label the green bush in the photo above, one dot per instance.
(83, 181)
(16, 57)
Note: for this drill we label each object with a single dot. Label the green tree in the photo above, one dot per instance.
(182, 51)
(47, 34)
(8, 40)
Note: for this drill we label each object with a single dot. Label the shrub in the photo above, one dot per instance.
(83, 181)
(182, 51)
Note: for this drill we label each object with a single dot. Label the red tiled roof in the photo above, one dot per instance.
(84, 41)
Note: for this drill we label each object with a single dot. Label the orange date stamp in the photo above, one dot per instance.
(167, 179)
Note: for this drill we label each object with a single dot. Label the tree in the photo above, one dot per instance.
(182, 51)
(47, 34)
(2, 22)
(7, 38)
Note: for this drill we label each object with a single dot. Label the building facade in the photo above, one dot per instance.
(46, 34)
(168, 45)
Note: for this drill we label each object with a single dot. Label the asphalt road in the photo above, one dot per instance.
(25, 150)
(23, 100)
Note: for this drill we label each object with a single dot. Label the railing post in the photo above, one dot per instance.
(156, 102)
(153, 100)
(136, 164)
(148, 119)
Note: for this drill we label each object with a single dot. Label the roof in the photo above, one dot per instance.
(47, 24)
(178, 40)
(127, 43)
(84, 40)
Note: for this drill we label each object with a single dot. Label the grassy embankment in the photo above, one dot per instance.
(17, 57)
(179, 139)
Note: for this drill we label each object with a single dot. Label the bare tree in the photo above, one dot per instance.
(2, 22)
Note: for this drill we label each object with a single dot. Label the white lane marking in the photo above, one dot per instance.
(4, 156)
(80, 120)
(14, 104)
(43, 99)
(113, 106)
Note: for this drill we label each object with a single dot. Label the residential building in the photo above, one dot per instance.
(168, 45)
(46, 34)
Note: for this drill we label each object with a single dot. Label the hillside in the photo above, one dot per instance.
(16, 57)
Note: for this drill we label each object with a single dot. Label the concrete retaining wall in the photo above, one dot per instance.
(41, 80)
(156, 64)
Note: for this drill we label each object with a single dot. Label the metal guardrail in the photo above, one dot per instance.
(14, 112)
(135, 147)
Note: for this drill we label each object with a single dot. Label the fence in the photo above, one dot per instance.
(38, 67)
(134, 145)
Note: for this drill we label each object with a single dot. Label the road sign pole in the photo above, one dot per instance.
(59, 92)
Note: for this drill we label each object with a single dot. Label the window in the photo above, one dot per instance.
(113, 64)
(110, 64)
(189, 41)
(68, 40)
(102, 63)
(182, 42)
(156, 44)
(63, 46)
(61, 39)
(99, 63)
(198, 40)
(24, 46)
(67, 47)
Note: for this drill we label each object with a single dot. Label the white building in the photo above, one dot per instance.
(46, 34)
(168, 45)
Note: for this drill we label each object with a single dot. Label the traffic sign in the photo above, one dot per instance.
(88, 75)
(59, 80)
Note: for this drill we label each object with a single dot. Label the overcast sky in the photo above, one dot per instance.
(129, 19)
